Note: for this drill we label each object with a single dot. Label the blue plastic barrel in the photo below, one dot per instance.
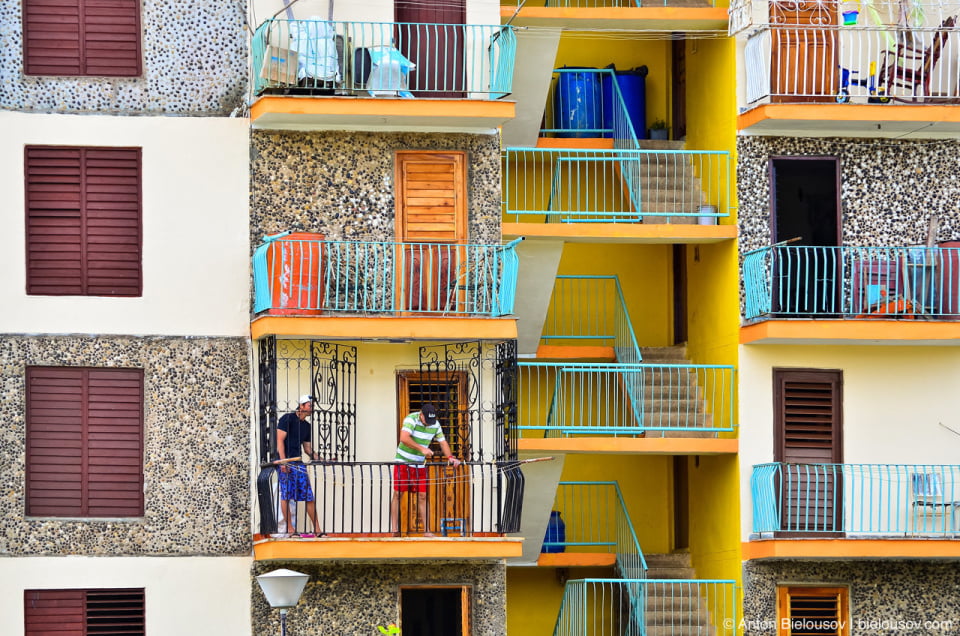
(577, 103)
(633, 89)
(556, 533)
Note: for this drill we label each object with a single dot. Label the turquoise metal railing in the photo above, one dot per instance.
(295, 275)
(637, 607)
(852, 282)
(562, 399)
(384, 59)
(614, 186)
(857, 499)
(591, 310)
(596, 520)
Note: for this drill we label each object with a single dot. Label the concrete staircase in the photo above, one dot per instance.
(673, 398)
(675, 609)
(667, 184)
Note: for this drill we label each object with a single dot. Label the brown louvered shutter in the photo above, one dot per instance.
(813, 611)
(84, 442)
(82, 37)
(808, 442)
(431, 197)
(84, 612)
(49, 612)
(83, 221)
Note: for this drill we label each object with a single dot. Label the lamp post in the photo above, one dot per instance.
(283, 589)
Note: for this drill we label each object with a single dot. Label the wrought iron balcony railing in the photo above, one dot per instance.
(353, 499)
(860, 63)
(595, 520)
(559, 399)
(590, 310)
(302, 275)
(907, 283)
(637, 607)
(383, 59)
(883, 500)
(615, 186)
(886, 14)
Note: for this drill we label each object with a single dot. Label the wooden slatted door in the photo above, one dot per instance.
(803, 65)
(808, 439)
(82, 37)
(431, 35)
(431, 217)
(448, 490)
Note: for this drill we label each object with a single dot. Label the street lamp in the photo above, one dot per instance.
(283, 589)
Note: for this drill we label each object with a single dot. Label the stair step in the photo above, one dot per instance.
(668, 560)
(681, 630)
(664, 353)
(671, 573)
(659, 615)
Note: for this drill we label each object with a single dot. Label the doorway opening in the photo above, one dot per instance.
(435, 611)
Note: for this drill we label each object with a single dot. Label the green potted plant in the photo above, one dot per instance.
(659, 129)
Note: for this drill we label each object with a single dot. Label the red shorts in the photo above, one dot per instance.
(409, 478)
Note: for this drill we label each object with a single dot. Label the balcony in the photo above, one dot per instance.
(301, 280)
(618, 186)
(668, 15)
(849, 70)
(469, 508)
(856, 295)
(800, 510)
(632, 607)
(317, 74)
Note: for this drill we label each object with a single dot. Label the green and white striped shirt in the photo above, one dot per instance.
(422, 434)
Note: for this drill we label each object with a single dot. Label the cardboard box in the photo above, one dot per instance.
(279, 65)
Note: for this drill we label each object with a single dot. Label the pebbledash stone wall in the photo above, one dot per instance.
(196, 447)
(194, 62)
(889, 189)
(886, 597)
(341, 184)
(351, 598)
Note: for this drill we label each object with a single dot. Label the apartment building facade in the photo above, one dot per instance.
(124, 336)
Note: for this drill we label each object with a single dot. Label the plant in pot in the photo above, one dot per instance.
(659, 130)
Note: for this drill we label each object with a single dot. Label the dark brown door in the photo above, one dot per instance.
(805, 197)
(431, 35)
(803, 60)
(679, 294)
(678, 116)
(808, 444)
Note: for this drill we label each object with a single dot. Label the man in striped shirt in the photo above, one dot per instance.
(419, 429)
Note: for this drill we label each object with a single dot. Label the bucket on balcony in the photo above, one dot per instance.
(707, 215)
(850, 17)
(633, 90)
(556, 533)
(577, 103)
(295, 264)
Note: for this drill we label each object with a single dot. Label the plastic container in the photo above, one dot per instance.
(577, 103)
(295, 265)
(556, 533)
(633, 90)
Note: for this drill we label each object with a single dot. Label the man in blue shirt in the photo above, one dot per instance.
(293, 433)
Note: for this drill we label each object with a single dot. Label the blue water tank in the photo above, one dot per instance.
(633, 89)
(556, 533)
(577, 103)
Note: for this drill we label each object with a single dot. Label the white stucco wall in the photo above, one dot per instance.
(202, 595)
(894, 401)
(196, 264)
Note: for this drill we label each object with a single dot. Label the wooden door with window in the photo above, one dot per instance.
(431, 35)
(807, 438)
(448, 489)
(432, 222)
(803, 50)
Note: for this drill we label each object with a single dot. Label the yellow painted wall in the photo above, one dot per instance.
(714, 516)
(645, 277)
(534, 595)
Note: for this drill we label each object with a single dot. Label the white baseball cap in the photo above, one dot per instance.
(305, 398)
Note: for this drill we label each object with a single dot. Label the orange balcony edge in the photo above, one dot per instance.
(850, 549)
(360, 327)
(460, 549)
(623, 445)
(622, 232)
(576, 559)
(872, 113)
(690, 16)
(909, 332)
(573, 352)
(376, 109)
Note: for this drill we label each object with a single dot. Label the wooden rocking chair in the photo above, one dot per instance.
(910, 67)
